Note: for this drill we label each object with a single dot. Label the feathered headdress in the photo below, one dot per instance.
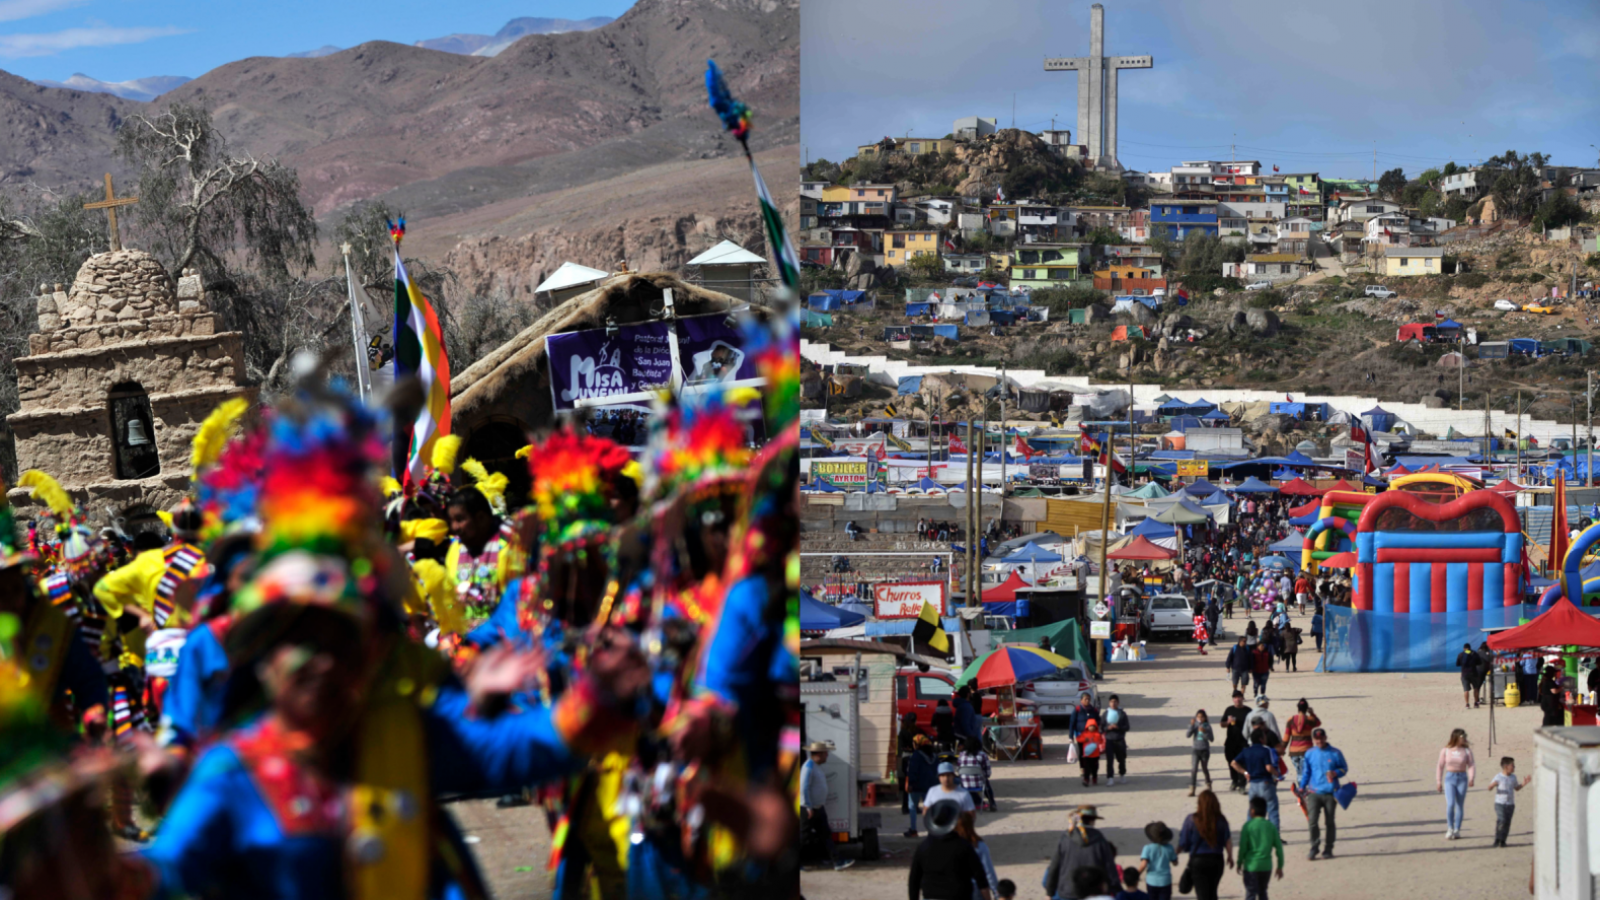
(229, 487)
(214, 433)
(571, 481)
(76, 538)
(492, 487)
(702, 438)
(734, 114)
(775, 350)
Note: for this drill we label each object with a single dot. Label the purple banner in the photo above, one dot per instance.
(590, 364)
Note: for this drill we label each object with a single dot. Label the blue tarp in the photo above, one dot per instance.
(818, 616)
(1018, 608)
(1296, 458)
(950, 624)
(1153, 530)
(1294, 542)
(1172, 454)
(1254, 485)
(1032, 553)
(822, 487)
(1002, 316)
(1216, 415)
(1380, 419)
(1279, 407)
(1185, 422)
(1173, 407)
(909, 384)
(845, 297)
(823, 303)
(953, 332)
(919, 309)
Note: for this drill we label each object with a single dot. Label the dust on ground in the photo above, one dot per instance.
(1390, 841)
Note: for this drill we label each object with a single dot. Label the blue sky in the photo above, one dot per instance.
(1306, 87)
(117, 40)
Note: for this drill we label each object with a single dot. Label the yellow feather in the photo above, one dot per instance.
(475, 469)
(388, 485)
(165, 517)
(48, 491)
(444, 453)
(523, 453)
(215, 431)
(493, 487)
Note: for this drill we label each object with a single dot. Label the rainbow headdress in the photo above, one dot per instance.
(572, 475)
(702, 438)
(77, 542)
(775, 347)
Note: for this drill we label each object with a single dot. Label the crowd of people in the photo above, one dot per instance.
(272, 689)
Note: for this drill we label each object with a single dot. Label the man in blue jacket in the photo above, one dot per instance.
(968, 724)
(1082, 713)
(1320, 772)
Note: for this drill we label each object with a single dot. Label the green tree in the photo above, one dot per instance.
(1392, 183)
(926, 267)
(1428, 203)
(821, 170)
(1450, 168)
(1429, 177)
(1558, 211)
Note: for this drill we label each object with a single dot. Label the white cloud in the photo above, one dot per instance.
(14, 46)
(12, 10)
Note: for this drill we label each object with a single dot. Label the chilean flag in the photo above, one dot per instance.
(1357, 433)
(956, 446)
(1023, 448)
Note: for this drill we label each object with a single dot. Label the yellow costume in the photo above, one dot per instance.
(132, 585)
(436, 587)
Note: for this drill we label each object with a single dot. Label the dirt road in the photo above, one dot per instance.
(1391, 840)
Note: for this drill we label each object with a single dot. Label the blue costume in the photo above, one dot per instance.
(193, 703)
(748, 664)
(224, 837)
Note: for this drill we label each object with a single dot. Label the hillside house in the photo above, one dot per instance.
(1275, 266)
(1183, 219)
(965, 263)
(813, 189)
(1363, 209)
(970, 128)
(900, 246)
(1460, 184)
(1399, 262)
(1046, 265)
(1002, 219)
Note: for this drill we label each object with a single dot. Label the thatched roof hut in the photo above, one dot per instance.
(499, 399)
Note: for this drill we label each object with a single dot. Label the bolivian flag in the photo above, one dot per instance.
(929, 631)
(419, 351)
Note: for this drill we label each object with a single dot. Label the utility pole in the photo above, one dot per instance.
(1488, 434)
(1519, 432)
(1374, 161)
(1105, 542)
(1013, 109)
(972, 576)
(1461, 373)
(1005, 388)
(1588, 418)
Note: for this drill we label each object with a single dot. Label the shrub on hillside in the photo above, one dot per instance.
(1471, 280)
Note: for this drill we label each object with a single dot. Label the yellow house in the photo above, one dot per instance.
(910, 146)
(1000, 262)
(900, 247)
(1399, 262)
(835, 193)
(1123, 270)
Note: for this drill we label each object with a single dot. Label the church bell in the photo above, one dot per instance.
(136, 433)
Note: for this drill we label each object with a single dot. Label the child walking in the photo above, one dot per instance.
(1258, 840)
(973, 766)
(1091, 743)
(1156, 859)
(1505, 787)
(1200, 754)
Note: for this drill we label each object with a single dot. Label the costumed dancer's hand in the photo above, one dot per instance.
(500, 672)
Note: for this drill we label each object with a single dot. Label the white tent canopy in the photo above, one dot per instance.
(569, 275)
(726, 253)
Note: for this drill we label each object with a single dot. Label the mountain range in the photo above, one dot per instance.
(550, 133)
(468, 44)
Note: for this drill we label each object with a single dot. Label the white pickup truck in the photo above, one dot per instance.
(1168, 614)
(1379, 291)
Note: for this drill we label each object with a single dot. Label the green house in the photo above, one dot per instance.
(1036, 266)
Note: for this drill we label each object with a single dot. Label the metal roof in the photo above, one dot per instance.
(726, 253)
(570, 274)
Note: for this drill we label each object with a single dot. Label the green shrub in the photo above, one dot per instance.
(1205, 284)
(1474, 279)
(1592, 261)
(1261, 375)
(1266, 299)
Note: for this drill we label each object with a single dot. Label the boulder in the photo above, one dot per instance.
(1096, 313)
(1237, 322)
(1263, 322)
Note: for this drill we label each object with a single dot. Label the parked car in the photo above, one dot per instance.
(1539, 306)
(1258, 286)
(1506, 305)
(919, 693)
(1057, 694)
(1379, 291)
(968, 281)
(1168, 614)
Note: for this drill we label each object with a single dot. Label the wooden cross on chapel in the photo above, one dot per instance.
(110, 204)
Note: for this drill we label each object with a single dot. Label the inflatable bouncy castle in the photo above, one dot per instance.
(1334, 530)
(1429, 576)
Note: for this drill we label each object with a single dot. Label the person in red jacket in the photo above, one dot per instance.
(1091, 743)
(1261, 667)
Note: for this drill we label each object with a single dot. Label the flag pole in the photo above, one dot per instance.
(358, 330)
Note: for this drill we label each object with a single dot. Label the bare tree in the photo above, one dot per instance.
(198, 198)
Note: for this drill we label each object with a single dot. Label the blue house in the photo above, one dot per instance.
(1182, 217)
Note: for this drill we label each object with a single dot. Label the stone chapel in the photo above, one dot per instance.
(124, 368)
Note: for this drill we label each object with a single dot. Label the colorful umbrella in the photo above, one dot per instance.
(1344, 560)
(1010, 664)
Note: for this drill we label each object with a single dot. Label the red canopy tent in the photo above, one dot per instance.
(1339, 561)
(1342, 485)
(1507, 486)
(1142, 548)
(1561, 625)
(1305, 509)
(1301, 488)
(1005, 591)
(1398, 470)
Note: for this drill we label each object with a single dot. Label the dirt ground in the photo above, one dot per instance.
(1391, 840)
(512, 846)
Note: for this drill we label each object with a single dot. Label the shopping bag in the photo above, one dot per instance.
(1072, 753)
